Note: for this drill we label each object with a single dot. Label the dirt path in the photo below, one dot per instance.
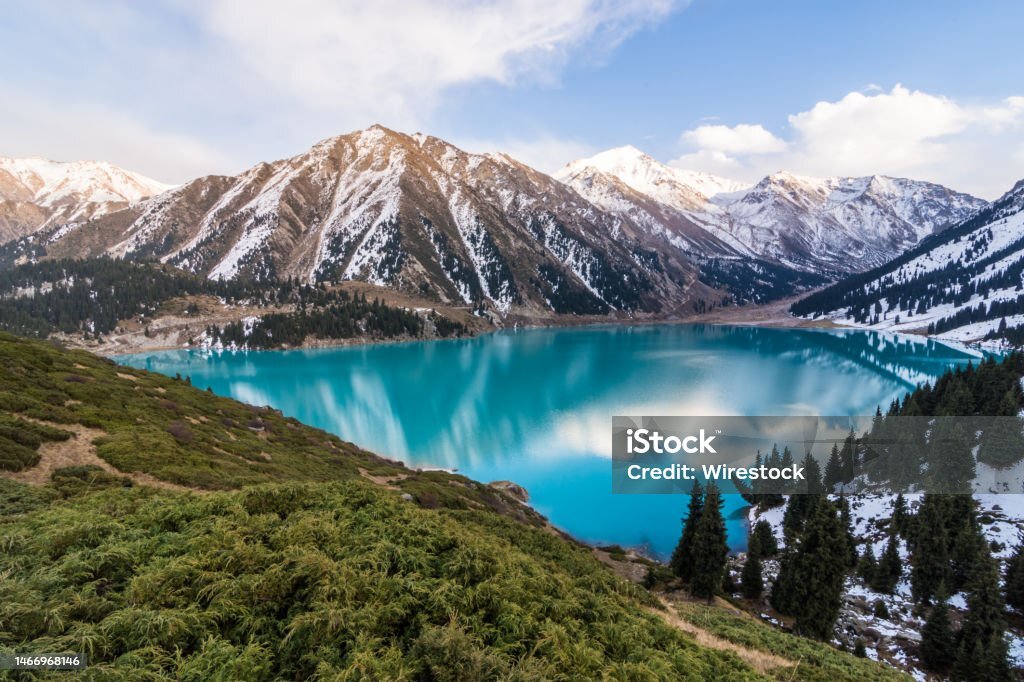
(761, 661)
(79, 451)
(383, 481)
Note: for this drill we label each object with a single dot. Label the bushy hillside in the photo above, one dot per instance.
(328, 563)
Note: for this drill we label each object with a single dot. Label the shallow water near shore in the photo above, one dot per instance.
(536, 406)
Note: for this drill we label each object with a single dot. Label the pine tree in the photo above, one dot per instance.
(938, 641)
(1015, 576)
(867, 565)
(900, 516)
(812, 475)
(709, 547)
(982, 654)
(966, 540)
(930, 560)
(950, 460)
(753, 580)
(798, 509)
(820, 574)
(889, 569)
(833, 469)
(681, 562)
(846, 521)
(848, 458)
(1002, 444)
(763, 538)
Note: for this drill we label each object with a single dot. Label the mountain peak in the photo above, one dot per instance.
(38, 192)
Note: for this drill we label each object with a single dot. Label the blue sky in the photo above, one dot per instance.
(178, 88)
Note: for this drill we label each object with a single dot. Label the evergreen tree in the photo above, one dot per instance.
(681, 561)
(753, 580)
(982, 654)
(798, 509)
(810, 580)
(848, 458)
(1015, 576)
(938, 641)
(889, 569)
(1001, 443)
(846, 521)
(930, 560)
(763, 539)
(900, 516)
(950, 459)
(709, 547)
(966, 540)
(812, 475)
(833, 469)
(867, 565)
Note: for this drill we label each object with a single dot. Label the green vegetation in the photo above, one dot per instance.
(93, 296)
(334, 581)
(815, 661)
(350, 318)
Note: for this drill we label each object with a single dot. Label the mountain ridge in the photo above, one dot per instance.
(837, 224)
(36, 193)
(961, 285)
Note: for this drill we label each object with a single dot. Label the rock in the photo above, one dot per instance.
(408, 498)
(514, 489)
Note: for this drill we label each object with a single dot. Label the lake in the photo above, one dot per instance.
(536, 406)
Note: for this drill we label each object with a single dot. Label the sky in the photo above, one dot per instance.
(176, 89)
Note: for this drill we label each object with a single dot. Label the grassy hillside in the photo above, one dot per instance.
(281, 552)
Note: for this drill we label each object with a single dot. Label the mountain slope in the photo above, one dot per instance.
(823, 225)
(37, 193)
(409, 212)
(960, 285)
(169, 533)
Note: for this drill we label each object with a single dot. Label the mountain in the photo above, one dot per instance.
(822, 225)
(410, 212)
(172, 534)
(37, 193)
(963, 284)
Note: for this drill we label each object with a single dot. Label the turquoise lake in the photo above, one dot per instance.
(536, 406)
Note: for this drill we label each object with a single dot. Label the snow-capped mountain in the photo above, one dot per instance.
(963, 284)
(406, 211)
(36, 193)
(824, 225)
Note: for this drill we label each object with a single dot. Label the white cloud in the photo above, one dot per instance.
(391, 60)
(741, 139)
(262, 79)
(69, 131)
(903, 132)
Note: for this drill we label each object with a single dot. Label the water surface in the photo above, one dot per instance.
(535, 406)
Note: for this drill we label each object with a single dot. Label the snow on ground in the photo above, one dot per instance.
(894, 637)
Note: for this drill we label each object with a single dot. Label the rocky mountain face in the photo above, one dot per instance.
(405, 211)
(821, 225)
(37, 193)
(618, 232)
(963, 284)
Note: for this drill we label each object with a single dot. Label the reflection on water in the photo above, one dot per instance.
(536, 406)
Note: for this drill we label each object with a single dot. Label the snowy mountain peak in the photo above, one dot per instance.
(837, 224)
(49, 182)
(37, 192)
(683, 190)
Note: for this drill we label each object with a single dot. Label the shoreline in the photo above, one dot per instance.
(772, 315)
